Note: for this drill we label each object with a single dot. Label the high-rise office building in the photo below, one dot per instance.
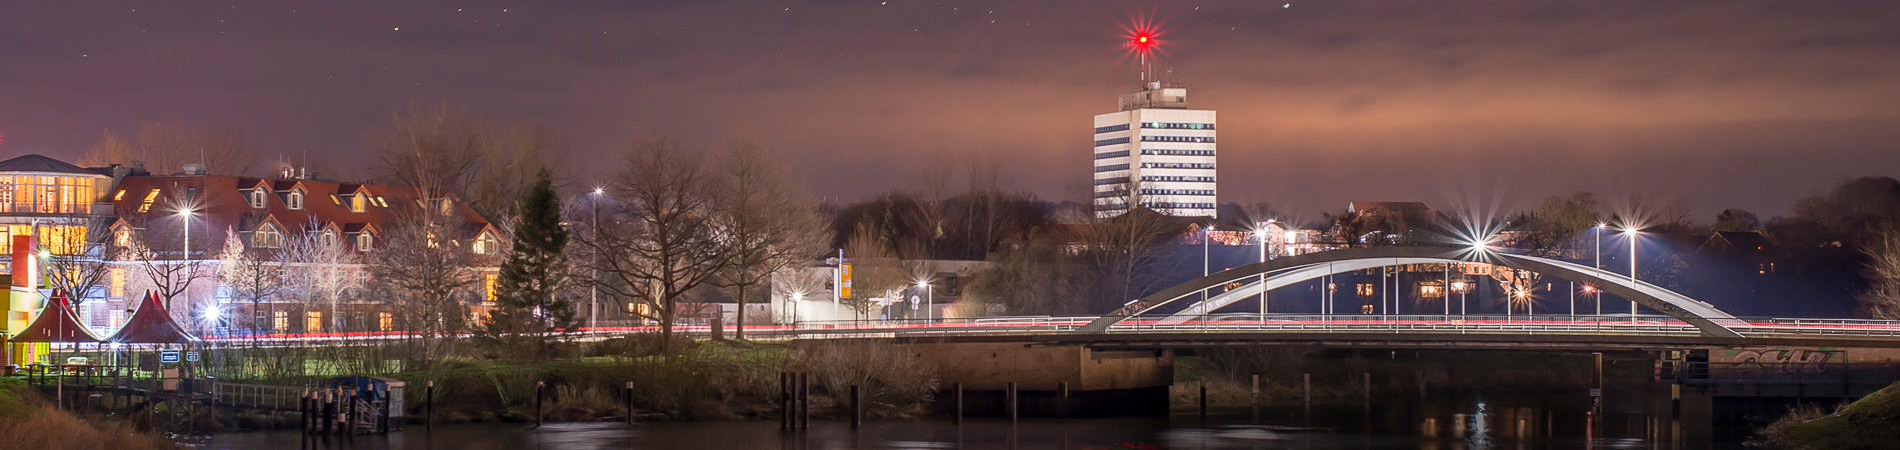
(1156, 153)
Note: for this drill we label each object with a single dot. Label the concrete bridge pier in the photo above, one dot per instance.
(1099, 382)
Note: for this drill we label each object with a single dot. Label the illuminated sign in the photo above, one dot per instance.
(844, 280)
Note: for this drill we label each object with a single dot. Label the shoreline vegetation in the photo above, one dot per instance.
(1873, 422)
(28, 421)
(717, 380)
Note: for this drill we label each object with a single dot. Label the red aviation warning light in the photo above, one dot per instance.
(1142, 38)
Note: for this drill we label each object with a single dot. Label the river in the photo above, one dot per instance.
(1637, 417)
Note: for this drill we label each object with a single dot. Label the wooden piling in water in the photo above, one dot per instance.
(626, 401)
(959, 388)
(857, 407)
(804, 400)
(1062, 399)
(1014, 402)
(540, 396)
(428, 405)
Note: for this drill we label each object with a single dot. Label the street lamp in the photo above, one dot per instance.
(1206, 268)
(1631, 233)
(593, 292)
(797, 298)
(185, 214)
(1260, 232)
(930, 298)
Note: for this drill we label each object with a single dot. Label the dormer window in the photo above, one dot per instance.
(122, 236)
(485, 244)
(359, 202)
(329, 237)
(267, 236)
(365, 241)
(294, 200)
(259, 198)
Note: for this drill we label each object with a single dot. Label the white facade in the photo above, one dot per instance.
(1158, 152)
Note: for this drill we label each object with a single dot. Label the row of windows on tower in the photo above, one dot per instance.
(1156, 152)
(1175, 165)
(1168, 192)
(1196, 139)
(1178, 125)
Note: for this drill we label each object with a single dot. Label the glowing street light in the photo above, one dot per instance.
(1260, 232)
(1631, 233)
(930, 298)
(797, 298)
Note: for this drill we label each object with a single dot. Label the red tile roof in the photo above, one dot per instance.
(223, 202)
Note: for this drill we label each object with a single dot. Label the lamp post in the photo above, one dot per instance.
(1599, 262)
(1631, 233)
(1206, 268)
(1260, 232)
(930, 297)
(797, 298)
(593, 292)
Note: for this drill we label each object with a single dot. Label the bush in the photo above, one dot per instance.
(891, 380)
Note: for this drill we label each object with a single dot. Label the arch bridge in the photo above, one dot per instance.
(1281, 272)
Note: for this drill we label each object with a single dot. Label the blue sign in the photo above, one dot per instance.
(191, 356)
(168, 356)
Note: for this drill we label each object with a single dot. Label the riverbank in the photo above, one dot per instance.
(702, 381)
(1873, 422)
(29, 421)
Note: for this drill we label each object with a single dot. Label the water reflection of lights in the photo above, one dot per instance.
(1480, 431)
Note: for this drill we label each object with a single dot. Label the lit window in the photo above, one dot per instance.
(485, 244)
(358, 202)
(122, 236)
(385, 321)
(279, 320)
(267, 236)
(117, 285)
(488, 287)
(1431, 290)
(150, 196)
(118, 195)
(1364, 289)
(294, 200)
(334, 200)
(313, 321)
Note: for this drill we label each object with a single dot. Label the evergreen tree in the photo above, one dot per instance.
(528, 310)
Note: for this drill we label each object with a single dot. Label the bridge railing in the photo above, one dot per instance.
(1467, 324)
(1821, 327)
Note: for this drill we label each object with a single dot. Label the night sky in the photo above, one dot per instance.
(1718, 104)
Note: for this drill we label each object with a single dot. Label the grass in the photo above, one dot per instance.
(1873, 422)
(27, 422)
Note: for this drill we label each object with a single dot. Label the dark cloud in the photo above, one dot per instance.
(1721, 104)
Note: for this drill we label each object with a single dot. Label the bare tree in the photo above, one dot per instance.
(75, 257)
(425, 274)
(1125, 243)
(877, 272)
(166, 147)
(1882, 297)
(251, 275)
(169, 273)
(432, 149)
(322, 269)
(664, 238)
(769, 223)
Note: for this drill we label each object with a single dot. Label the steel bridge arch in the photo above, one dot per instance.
(1294, 269)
